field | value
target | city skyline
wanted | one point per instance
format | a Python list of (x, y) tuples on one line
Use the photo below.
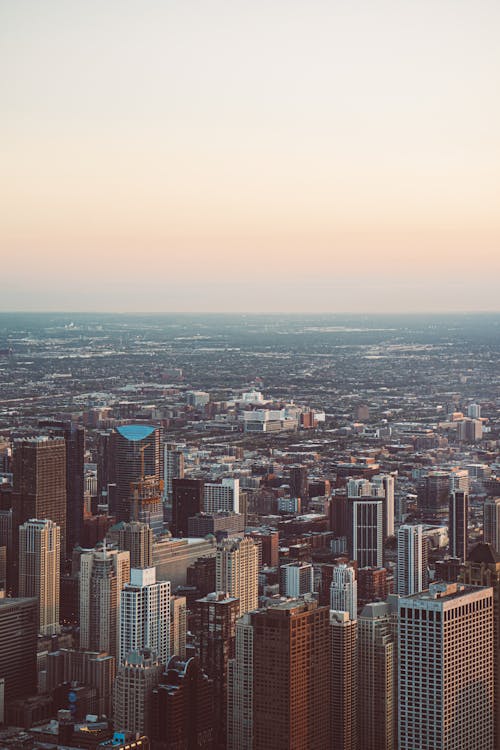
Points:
[(218, 157)]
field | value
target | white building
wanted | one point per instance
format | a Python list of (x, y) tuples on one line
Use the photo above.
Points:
[(385, 483), (412, 560), (367, 531), (344, 590), (446, 696), (223, 496), (296, 579), (145, 615), (240, 689), (39, 569)]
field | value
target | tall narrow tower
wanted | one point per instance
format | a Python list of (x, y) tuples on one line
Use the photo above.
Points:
[(145, 615), (491, 522), (39, 569), (412, 574), (237, 571), (458, 524), (344, 680), (344, 590)]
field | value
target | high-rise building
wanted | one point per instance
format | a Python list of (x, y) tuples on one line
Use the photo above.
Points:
[(90, 668), (366, 531), (223, 496), (344, 590), (136, 454), (279, 691), (377, 686), (145, 615), (344, 681), (458, 523), (103, 574), (298, 483), (446, 687), (482, 568), (386, 483), (178, 626), (40, 569), (491, 522), (412, 575), (296, 579), (39, 487), (74, 439), (136, 538), (433, 492), (474, 411), (372, 585), (182, 708), (237, 571), (187, 501), (459, 480), (173, 467), (218, 615), (268, 541), (136, 678), (18, 646)]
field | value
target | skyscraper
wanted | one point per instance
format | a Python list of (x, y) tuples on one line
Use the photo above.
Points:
[(173, 467), (39, 570), (136, 538), (237, 571), (74, 439), (298, 483), (491, 522), (222, 496), (386, 483), (377, 686), (240, 688), (433, 493), (136, 678), (103, 574), (145, 615), (286, 701), (446, 690), (458, 523), (39, 486), (218, 615), (18, 643), (344, 681), (412, 575), (187, 501), (344, 590), (136, 454), (366, 531), (296, 579), (178, 626)]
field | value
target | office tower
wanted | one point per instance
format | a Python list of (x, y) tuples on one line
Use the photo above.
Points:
[(145, 615), (447, 569), (218, 615), (39, 487), (279, 688), (105, 463), (459, 480), (40, 570), (187, 501), (377, 687), (134, 537), (366, 541), (474, 411), (145, 503), (372, 585), (412, 576), (339, 515), (173, 467), (360, 488), (385, 482), (344, 590), (3, 571), (482, 568), (344, 681), (458, 524), (18, 646), (298, 483), (178, 626), (268, 543), (182, 713), (136, 678), (90, 668), (433, 493), (491, 522), (223, 496), (103, 574), (296, 579), (202, 575), (237, 571), (469, 430), (74, 440), (446, 692), (240, 688), (136, 454)]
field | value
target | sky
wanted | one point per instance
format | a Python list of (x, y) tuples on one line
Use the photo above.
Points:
[(273, 155)]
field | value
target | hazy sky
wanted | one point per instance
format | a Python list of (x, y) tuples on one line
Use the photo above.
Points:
[(292, 155)]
